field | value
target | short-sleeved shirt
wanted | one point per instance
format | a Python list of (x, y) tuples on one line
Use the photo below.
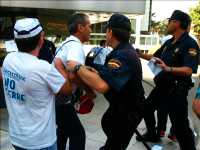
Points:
[(30, 86), (100, 54), (123, 73), (182, 53), (71, 49)]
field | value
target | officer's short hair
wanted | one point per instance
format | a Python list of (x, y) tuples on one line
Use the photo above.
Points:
[(121, 35), (121, 27), (27, 34), (185, 24), (184, 18), (75, 20)]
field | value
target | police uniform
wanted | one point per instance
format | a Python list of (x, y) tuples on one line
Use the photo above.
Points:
[(123, 73), (170, 93)]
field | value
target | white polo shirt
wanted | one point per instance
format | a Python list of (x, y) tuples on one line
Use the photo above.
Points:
[(30, 86), (71, 49)]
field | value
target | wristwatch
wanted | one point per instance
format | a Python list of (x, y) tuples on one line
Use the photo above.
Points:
[(169, 69), (77, 67)]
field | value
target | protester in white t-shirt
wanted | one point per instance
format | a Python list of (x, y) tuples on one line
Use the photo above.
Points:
[(30, 86)]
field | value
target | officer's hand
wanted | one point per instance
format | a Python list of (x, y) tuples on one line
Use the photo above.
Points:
[(91, 94), (162, 65), (157, 60), (71, 64), (71, 76), (74, 78)]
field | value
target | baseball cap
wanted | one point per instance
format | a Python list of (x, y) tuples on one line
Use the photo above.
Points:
[(119, 21), (27, 28), (180, 16)]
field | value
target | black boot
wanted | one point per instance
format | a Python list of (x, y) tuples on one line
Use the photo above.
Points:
[(103, 148), (148, 137)]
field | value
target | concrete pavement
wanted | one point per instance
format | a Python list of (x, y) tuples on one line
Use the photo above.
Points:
[(94, 133)]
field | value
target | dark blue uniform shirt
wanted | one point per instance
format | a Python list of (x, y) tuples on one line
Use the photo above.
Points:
[(182, 53), (123, 73)]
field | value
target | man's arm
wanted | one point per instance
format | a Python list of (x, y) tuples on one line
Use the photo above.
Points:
[(91, 78), (73, 78), (60, 67), (182, 71), (66, 89), (144, 56)]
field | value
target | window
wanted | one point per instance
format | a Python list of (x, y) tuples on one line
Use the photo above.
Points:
[(142, 40)]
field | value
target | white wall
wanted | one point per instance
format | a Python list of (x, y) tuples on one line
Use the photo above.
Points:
[(136, 7), (145, 17)]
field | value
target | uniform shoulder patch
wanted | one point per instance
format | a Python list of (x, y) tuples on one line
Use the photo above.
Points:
[(114, 64), (165, 48), (176, 50), (192, 51)]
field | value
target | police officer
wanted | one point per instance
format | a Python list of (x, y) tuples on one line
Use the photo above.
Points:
[(178, 58), (120, 79)]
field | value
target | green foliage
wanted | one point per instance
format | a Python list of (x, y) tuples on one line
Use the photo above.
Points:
[(195, 14), (159, 27)]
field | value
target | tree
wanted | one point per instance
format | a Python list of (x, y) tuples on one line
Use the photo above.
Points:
[(195, 14), (158, 26)]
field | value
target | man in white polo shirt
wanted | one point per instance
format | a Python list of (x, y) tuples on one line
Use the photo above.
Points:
[(30, 86), (69, 125)]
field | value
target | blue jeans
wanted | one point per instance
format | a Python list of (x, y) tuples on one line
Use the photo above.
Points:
[(52, 147)]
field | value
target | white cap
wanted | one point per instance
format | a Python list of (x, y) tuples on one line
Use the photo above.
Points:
[(26, 28)]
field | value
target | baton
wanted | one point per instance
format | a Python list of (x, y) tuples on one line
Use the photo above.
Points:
[(142, 140)]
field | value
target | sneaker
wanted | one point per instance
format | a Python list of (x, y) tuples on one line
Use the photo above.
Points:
[(148, 137), (172, 137), (161, 133)]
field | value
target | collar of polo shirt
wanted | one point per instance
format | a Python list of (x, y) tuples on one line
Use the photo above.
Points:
[(26, 28)]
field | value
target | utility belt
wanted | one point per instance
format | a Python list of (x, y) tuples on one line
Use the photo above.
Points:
[(175, 87), (166, 80)]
